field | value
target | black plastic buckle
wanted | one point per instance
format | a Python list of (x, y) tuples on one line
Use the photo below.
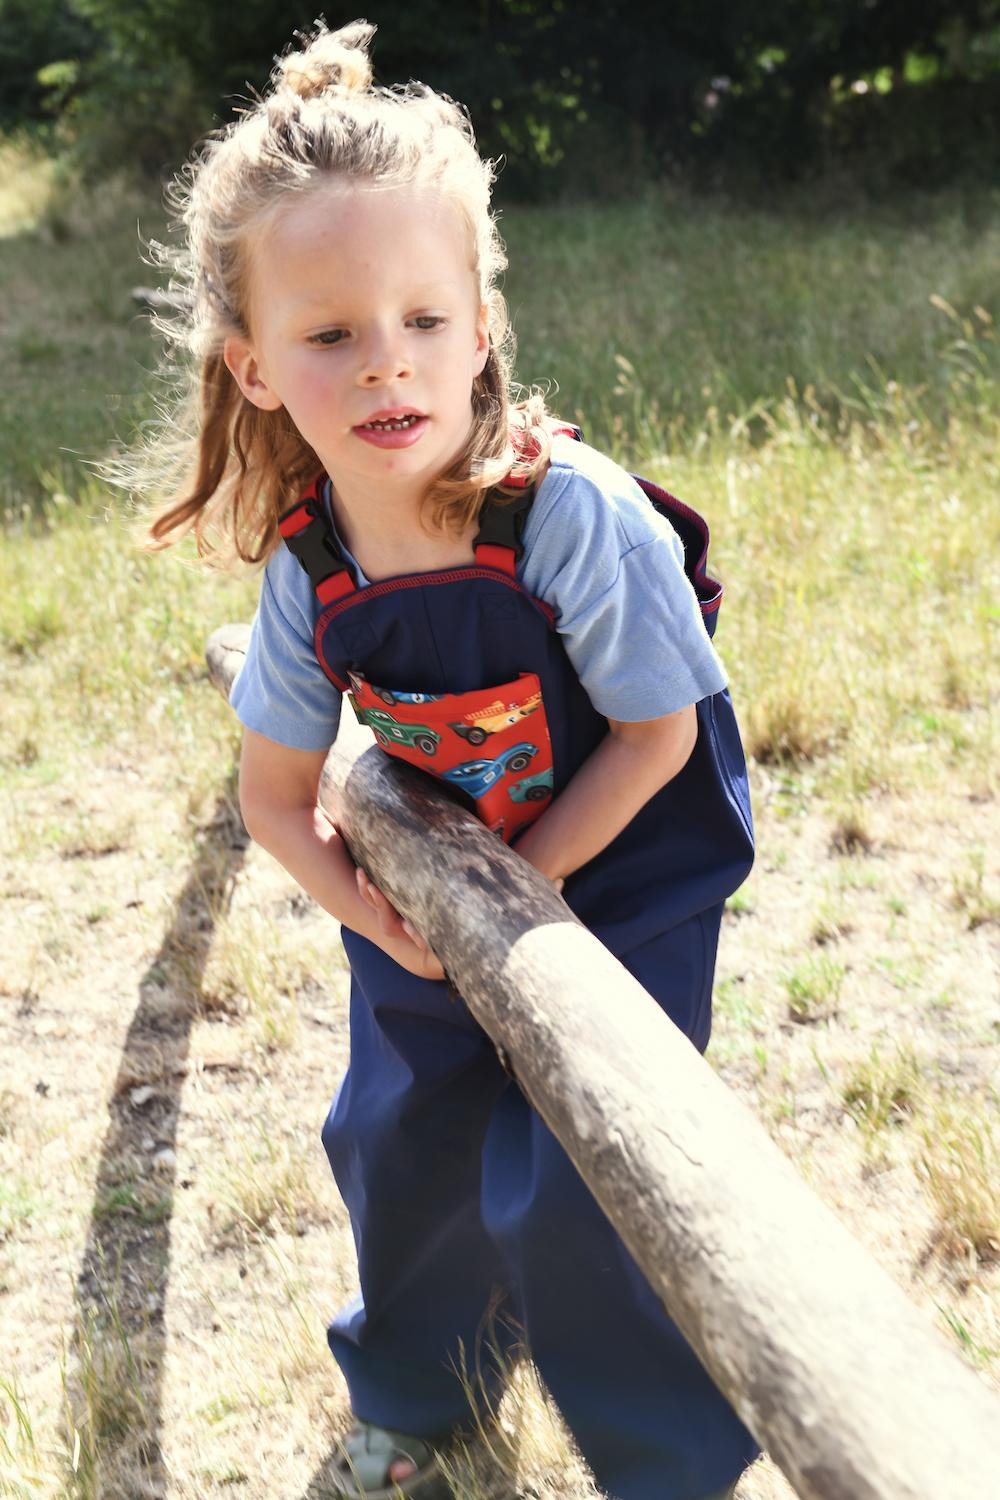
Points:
[(316, 547), (501, 524)]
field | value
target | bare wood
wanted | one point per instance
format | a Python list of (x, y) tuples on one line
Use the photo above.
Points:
[(225, 654), (853, 1393)]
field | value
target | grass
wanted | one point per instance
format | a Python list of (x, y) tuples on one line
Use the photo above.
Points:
[(881, 1091), (78, 351), (817, 379), (106, 1404), (263, 1185), (868, 653), (977, 1351), (20, 1461), (813, 989), (831, 922), (960, 1167), (258, 970), (973, 892), (864, 314)]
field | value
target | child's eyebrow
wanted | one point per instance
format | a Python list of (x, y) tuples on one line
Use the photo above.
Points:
[(415, 294)]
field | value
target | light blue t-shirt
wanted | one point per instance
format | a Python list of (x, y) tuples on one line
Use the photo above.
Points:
[(595, 550)]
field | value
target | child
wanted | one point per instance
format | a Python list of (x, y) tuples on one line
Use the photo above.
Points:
[(497, 598)]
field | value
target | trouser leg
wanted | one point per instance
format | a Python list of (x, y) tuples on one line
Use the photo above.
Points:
[(646, 1416), (404, 1137)]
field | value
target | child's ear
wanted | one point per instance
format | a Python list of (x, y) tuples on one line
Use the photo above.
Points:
[(241, 362), (482, 340)]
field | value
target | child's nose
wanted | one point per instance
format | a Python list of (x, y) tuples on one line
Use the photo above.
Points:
[(385, 360)]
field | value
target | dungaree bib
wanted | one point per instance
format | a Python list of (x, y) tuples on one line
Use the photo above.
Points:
[(455, 1187)]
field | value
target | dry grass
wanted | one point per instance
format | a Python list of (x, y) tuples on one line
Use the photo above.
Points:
[(259, 970), (973, 893), (960, 1165), (107, 1416), (263, 1184), (881, 1091)]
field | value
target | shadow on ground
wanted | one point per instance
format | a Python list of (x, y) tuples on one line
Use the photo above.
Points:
[(115, 1388)]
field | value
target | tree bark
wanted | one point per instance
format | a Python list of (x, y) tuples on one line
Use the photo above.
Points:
[(845, 1383)]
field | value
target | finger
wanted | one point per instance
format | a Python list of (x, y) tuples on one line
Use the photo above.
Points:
[(385, 912), (414, 936), (372, 894), (388, 918), (363, 884)]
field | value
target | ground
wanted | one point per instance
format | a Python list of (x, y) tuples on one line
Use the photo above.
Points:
[(174, 1022)]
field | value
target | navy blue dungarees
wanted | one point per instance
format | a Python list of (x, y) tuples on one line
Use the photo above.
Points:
[(455, 1187)]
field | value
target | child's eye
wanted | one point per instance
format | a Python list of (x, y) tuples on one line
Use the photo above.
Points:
[(328, 337), (427, 321)]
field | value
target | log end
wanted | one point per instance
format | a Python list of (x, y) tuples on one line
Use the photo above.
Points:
[(225, 654)]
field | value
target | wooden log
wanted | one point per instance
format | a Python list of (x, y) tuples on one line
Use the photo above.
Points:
[(845, 1383)]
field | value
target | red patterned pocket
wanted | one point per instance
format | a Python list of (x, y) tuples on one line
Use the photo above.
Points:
[(492, 745)]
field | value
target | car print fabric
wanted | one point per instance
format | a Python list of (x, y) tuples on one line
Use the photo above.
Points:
[(491, 745)]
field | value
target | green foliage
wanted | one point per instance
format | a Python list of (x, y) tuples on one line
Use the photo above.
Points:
[(164, 75), (35, 35), (576, 98)]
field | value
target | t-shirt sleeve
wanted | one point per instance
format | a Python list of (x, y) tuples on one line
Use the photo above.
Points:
[(612, 568), (282, 691)]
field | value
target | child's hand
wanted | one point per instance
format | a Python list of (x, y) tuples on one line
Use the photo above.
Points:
[(397, 937)]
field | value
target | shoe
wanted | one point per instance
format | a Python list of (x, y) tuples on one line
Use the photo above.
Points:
[(362, 1471)]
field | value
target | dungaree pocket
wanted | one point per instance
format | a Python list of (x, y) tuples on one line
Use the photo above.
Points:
[(480, 743)]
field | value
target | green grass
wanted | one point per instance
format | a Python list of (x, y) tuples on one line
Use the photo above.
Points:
[(77, 351), (702, 310), (107, 642), (813, 989), (818, 382)]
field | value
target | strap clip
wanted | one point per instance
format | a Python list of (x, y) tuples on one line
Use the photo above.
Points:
[(315, 546), (501, 525)]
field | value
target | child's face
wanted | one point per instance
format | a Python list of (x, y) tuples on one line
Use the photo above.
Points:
[(364, 308)]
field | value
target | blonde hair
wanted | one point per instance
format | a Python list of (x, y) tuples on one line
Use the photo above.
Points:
[(227, 468)]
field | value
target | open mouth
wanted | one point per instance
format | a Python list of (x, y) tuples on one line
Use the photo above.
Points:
[(396, 424)]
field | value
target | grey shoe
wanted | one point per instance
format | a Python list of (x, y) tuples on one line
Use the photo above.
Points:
[(368, 1453)]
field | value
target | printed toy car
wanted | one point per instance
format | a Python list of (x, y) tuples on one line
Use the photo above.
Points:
[(477, 776), (533, 788), (387, 731), (389, 697), (493, 718)]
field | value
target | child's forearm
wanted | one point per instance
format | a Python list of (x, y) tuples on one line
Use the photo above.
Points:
[(629, 765)]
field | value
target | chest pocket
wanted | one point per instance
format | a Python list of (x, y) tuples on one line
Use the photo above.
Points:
[(491, 746)]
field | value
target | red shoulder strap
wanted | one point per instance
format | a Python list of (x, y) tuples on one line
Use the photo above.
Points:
[(308, 535), (498, 541)]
